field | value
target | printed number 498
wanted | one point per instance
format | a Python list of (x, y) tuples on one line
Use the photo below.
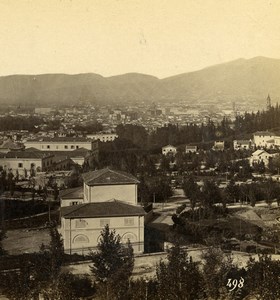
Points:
[(234, 283)]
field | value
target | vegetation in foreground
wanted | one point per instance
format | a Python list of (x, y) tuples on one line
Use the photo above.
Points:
[(176, 278)]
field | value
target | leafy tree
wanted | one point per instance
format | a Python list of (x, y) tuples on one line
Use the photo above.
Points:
[(112, 264), (216, 267), (143, 289), (232, 191), (180, 277), (192, 191), (39, 275), (263, 279), (2, 236), (210, 194)]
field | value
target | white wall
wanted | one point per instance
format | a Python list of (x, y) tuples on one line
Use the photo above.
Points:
[(81, 240), (69, 202), (101, 193), (261, 140), (20, 164), (58, 146)]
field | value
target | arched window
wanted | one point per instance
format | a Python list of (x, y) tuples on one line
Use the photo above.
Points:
[(80, 238), (129, 236)]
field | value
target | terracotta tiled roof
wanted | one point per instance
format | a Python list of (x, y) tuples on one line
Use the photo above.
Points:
[(107, 177), (112, 208)]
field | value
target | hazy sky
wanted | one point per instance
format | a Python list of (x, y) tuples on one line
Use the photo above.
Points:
[(157, 37)]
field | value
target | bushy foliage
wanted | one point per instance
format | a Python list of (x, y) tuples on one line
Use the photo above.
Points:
[(179, 278), (112, 264)]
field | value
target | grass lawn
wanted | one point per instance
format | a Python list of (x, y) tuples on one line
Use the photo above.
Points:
[(21, 241)]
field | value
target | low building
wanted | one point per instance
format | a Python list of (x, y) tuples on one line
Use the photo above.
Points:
[(242, 144), (169, 150), (219, 146), (78, 156), (264, 139), (260, 156), (191, 149), (23, 162), (62, 143), (103, 137), (277, 141)]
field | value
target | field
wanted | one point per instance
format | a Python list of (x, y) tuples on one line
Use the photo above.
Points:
[(21, 241)]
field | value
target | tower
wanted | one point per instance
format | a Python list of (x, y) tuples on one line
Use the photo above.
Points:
[(268, 102)]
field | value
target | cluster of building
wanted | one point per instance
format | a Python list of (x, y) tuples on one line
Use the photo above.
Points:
[(149, 116), (262, 142), (47, 154)]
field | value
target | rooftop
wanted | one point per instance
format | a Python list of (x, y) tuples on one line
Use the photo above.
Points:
[(59, 139), (265, 133), (73, 193), (112, 208), (24, 154), (9, 144), (80, 152), (107, 176)]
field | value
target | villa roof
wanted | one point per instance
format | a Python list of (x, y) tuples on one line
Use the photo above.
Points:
[(168, 146), (73, 193), (108, 177), (259, 152), (265, 133), (243, 141), (112, 208)]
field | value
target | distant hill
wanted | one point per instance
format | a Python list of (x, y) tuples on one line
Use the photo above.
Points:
[(239, 80)]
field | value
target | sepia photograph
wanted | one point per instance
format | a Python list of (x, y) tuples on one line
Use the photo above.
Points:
[(139, 150)]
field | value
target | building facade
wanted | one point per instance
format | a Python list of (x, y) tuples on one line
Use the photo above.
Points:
[(23, 162), (169, 150), (264, 139), (108, 197), (61, 144)]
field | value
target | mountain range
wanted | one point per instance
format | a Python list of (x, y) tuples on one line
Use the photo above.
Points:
[(238, 80)]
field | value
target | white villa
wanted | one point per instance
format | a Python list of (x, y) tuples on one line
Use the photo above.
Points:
[(169, 150), (107, 197), (260, 156), (264, 139)]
